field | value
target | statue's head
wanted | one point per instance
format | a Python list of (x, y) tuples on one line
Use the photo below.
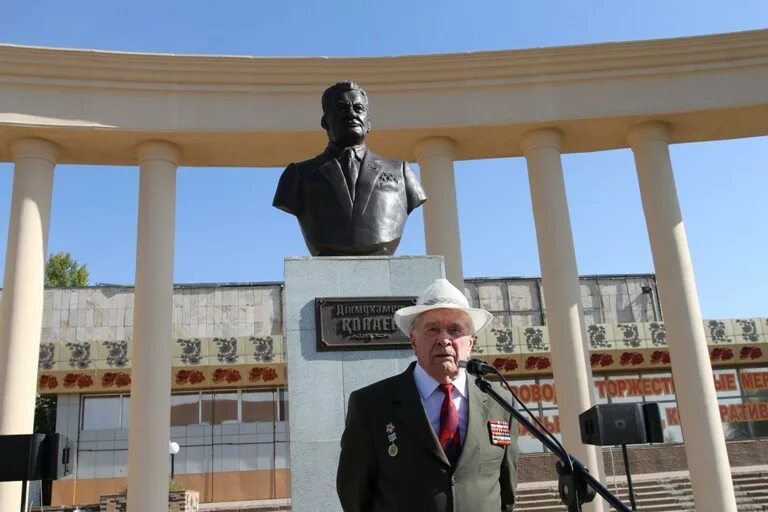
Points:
[(345, 114)]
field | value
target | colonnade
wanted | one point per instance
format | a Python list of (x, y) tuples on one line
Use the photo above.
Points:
[(153, 323), (21, 312), (22, 304), (560, 280), (691, 367)]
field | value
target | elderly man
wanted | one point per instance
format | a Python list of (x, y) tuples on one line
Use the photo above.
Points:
[(348, 200), (420, 441)]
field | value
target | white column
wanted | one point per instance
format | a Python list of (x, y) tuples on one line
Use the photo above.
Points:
[(560, 279), (435, 156), (691, 368), (21, 314), (148, 461)]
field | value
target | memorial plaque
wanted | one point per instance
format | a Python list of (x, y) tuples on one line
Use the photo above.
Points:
[(359, 323)]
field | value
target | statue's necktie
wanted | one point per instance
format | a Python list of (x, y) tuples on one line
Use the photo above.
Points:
[(351, 169), (449, 436)]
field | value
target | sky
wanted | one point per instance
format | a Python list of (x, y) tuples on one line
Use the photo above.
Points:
[(227, 231)]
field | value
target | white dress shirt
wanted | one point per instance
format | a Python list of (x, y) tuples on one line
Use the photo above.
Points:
[(432, 399)]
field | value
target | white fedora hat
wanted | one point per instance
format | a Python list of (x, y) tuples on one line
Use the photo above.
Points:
[(441, 294)]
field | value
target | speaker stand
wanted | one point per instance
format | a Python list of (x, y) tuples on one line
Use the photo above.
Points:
[(629, 477), (23, 496), (576, 485)]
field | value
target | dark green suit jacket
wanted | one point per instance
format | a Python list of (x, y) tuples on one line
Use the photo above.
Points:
[(419, 477)]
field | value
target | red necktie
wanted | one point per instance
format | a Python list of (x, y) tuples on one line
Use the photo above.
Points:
[(449, 436)]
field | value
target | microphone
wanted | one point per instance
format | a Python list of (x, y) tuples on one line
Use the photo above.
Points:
[(477, 367)]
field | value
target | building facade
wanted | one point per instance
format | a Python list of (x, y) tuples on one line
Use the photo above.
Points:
[(230, 404)]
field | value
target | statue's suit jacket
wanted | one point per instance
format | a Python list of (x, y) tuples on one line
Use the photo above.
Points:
[(420, 478), (316, 192)]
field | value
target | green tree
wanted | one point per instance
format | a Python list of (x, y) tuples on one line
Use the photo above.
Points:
[(45, 414), (62, 270)]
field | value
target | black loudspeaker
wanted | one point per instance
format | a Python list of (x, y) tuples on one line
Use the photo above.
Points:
[(616, 424), (34, 457), (654, 432)]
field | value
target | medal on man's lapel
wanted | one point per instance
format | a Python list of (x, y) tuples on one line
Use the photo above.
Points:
[(499, 432), (391, 437)]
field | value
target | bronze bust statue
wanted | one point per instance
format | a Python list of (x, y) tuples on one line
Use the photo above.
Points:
[(348, 200)]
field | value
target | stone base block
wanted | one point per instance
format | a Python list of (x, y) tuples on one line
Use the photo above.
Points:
[(319, 383)]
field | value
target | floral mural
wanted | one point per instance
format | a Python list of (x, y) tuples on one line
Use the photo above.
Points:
[(537, 363), (750, 353), (721, 354), (226, 375), (80, 355), (505, 341), (630, 335), (660, 357), (631, 359), (47, 356), (262, 374), (78, 380), (117, 353), (505, 364), (600, 359), (658, 334), (717, 331), (262, 348), (192, 377), (227, 350), (597, 336), (47, 382), (115, 379), (191, 351), (534, 339), (748, 330)]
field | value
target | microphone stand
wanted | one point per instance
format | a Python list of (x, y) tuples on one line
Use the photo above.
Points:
[(575, 485)]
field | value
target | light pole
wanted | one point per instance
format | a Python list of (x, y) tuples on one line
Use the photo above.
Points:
[(173, 449)]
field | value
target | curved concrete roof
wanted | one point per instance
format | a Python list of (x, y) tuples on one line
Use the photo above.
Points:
[(249, 111)]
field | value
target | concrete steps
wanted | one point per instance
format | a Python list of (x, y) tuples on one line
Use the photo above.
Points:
[(654, 493), (278, 505), (666, 493)]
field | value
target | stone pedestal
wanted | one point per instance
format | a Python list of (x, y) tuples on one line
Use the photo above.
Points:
[(319, 383)]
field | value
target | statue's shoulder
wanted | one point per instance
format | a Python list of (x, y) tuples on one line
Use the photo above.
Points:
[(288, 195), (306, 166)]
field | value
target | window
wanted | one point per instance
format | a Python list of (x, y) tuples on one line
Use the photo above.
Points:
[(185, 410), (125, 414), (623, 389), (754, 382), (112, 412), (734, 415), (670, 422), (258, 406), (219, 408), (282, 404), (105, 412), (726, 383), (533, 392), (601, 396)]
